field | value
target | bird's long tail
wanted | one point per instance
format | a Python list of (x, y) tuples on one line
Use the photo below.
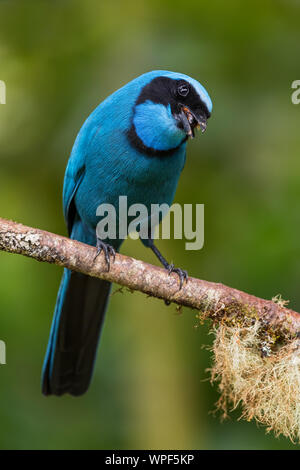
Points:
[(76, 327)]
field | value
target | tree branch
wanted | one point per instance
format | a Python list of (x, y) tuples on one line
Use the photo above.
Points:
[(214, 300)]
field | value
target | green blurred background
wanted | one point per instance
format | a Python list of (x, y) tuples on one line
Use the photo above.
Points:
[(59, 59)]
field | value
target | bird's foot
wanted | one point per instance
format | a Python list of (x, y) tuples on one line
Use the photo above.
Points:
[(182, 274), (108, 252)]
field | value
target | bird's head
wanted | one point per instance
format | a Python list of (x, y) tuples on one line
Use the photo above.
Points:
[(167, 111)]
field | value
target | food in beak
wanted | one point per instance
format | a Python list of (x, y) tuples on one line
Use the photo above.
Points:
[(188, 114), (187, 121), (191, 122)]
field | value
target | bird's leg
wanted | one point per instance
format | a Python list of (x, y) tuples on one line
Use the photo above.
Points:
[(182, 274), (108, 251)]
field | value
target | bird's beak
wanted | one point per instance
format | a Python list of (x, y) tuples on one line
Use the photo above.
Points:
[(191, 120)]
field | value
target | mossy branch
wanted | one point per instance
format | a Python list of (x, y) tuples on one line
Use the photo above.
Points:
[(214, 300), (257, 342)]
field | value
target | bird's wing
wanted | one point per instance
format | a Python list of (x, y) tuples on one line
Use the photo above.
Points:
[(71, 183), (76, 169), (76, 165)]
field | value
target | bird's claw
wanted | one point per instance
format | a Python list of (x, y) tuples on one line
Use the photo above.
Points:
[(108, 252), (182, 274)]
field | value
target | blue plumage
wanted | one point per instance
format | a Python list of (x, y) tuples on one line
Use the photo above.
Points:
[(133, 144), (155, 127)]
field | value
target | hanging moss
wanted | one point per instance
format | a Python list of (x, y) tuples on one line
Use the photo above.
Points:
[(257, 366)]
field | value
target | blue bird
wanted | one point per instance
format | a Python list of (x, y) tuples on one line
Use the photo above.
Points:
[(133, 144)]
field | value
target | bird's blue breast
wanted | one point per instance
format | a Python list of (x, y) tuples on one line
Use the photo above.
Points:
[(117, 169)]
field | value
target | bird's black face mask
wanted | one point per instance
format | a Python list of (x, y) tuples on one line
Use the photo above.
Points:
[(166, 114), (187, 106)]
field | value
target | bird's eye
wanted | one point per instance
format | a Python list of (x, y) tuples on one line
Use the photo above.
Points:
[(183, 90)]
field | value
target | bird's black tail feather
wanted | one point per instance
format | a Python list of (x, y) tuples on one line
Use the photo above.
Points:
[(76, 327)]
